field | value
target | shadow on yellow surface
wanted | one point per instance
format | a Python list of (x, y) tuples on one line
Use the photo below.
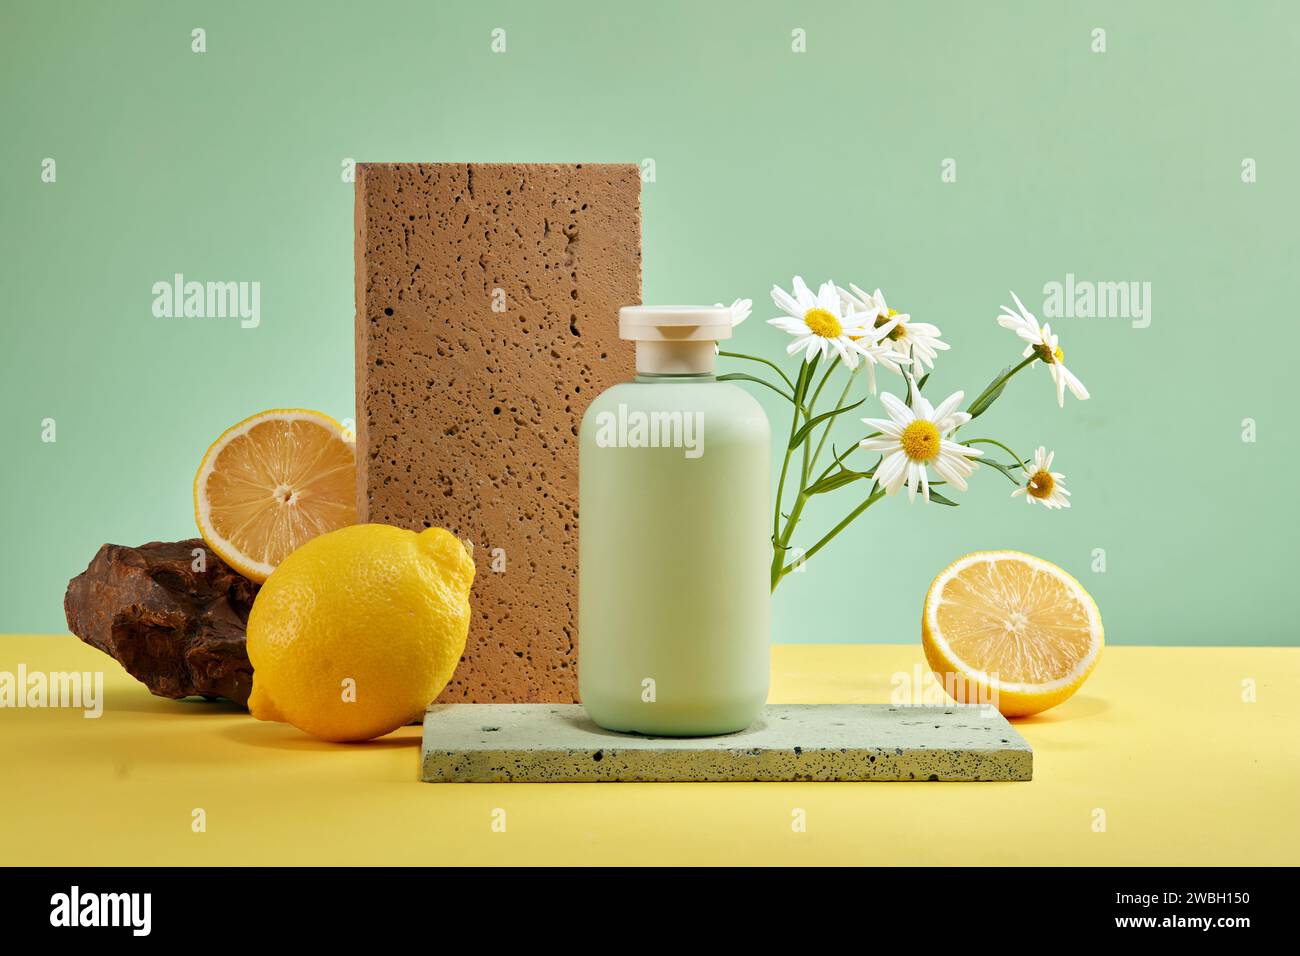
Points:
[(1079, 707), (1121, 777), (277, 736)]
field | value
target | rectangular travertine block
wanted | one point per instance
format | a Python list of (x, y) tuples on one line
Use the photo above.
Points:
[(532, 743), (487, 301)]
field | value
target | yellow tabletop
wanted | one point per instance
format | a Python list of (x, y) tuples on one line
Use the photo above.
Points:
[(1167, 756)]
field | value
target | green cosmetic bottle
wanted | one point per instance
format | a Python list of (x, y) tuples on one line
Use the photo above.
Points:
[(674, 512)]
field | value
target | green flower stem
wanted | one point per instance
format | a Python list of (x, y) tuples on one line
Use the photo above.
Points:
[(835, 362), (780, 572), (783, 541), (839, 404), (781, 535), (809, 411), (768, 362), (992, 441), (805, 370)]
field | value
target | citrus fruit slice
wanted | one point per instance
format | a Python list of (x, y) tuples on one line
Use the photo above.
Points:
[(274, 482), (1007, 628)]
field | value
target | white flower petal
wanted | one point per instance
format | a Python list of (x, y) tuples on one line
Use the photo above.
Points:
[(789, 325), (891, 472), (896, 409), (848, 356), (828, 298), (803, 295), (944, 466), (1076, 386), (798, 344), (1029, 316), (886, 426), (948, 406), (881, 443), (784, 301), (740, 311)]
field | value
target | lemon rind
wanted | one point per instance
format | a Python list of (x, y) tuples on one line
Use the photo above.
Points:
[(257, 571), (1076, 674)]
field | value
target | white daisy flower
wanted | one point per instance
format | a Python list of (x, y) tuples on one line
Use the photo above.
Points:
[(912, 439), (1046, 346), (877, 352), (740, 310), (874, 346), (819, 323), (918, 341), (1043, 484)]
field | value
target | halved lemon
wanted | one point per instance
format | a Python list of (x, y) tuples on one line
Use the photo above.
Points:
[(1007, 628), (274, 482)]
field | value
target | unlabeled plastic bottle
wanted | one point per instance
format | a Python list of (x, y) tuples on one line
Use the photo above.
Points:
[(674, 550)]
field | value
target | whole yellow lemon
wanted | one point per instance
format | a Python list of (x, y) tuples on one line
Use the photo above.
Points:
[(358, 630)]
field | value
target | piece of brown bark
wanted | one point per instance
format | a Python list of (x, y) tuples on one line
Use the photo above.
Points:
[(178, 630), (487, 300)]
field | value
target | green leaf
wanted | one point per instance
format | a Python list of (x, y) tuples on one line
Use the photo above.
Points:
[(799, 437), (838, 480), (921, 384), (990, 394), (940, 499), (997, 465), (743, 377)]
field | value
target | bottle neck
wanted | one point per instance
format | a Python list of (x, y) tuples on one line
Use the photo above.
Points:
[(655, 378), (676, 358)]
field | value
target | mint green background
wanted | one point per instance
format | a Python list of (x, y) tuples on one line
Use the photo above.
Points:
[(1115, 166)]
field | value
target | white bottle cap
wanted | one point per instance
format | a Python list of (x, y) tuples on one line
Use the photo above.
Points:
[(674, 339)]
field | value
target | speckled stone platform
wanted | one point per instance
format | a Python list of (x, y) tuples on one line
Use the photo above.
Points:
[(557, 743)]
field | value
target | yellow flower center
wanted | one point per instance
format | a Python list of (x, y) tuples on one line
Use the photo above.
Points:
[(1041, 485), (920, 440), (897, 332), (823, 323), (1048, 355)]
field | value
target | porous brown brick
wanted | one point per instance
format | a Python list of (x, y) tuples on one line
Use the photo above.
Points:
[(467, 418)]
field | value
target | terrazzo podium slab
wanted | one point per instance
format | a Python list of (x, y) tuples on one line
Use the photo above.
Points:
[(558, 743)]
